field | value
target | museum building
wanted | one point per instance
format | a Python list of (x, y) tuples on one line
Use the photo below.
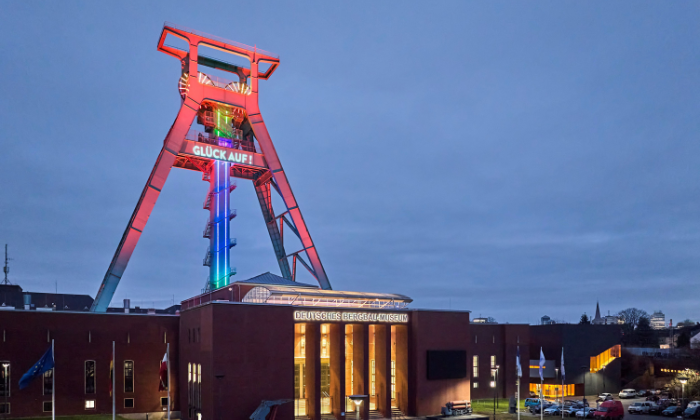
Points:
[(266, 338)]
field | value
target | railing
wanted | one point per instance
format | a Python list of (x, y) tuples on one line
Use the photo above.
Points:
[(220, 39), (235, 143), (300, 407), (221, 83)]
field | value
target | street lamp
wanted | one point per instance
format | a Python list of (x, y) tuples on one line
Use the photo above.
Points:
[(584, 385), (494, 371), (683, 380), (556, 389), (6, 386), (357, 399), (496, 379)]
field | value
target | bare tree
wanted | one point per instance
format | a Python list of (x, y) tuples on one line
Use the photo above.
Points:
[(631, 316)]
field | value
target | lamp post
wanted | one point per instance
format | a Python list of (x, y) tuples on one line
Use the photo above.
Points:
[(584, 385), (6, 384), (556, 389), (683, 380), (493, 385), (497, 367)]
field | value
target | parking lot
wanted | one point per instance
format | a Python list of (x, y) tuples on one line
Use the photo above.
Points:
[(625, 403)]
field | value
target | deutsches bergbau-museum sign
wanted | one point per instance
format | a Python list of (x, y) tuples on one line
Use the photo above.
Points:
[(338, 316)]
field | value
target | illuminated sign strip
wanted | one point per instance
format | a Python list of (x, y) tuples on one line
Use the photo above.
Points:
[(336, 316), (234, 156)]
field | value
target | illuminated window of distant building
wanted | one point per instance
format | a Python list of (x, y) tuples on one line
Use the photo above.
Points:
[(48, 382), (493, 362), (128, 376), (393, 379), (257, 294), (89, 404), (89, 378), (475, 384), (475, 366), (5, 381)]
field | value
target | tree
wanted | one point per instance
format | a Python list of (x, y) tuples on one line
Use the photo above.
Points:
[(584, 319), (646, 336), (683, 339), (631, 317)]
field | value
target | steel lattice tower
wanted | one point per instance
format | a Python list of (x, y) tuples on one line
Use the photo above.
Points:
[(235, 143)]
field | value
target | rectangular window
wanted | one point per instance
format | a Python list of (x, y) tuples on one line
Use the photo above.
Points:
[(89, 377), (128, 403), (89, 404), (4, 408), (475, 366), (163, 401), (475, 385), (493, 362), (48, 382), (199, 386), (128, 376), (46, 406), (393, 379), (5, 378)]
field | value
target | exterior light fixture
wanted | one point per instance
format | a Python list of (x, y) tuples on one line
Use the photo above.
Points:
[(357, 399)]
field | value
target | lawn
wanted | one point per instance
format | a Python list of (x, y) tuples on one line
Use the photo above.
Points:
[(486, 406), (88, 417)]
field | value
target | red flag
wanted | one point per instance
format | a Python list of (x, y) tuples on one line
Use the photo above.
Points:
[(111, 373), (163, 374)]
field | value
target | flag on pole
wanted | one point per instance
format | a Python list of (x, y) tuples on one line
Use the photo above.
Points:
[(44, 364), (563, 374), (111, 373), (163, 374), (517, 364), (541, 365)]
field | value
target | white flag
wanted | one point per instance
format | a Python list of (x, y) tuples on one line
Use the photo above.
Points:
[(517, 364), (541, 365), (563, 374)]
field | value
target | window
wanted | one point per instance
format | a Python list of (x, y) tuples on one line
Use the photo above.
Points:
[(89, 377), (475, 340), (493, 362), (5, 381), (475, 367), (393, 379), (47, 406), (189, 386), (89, 404), (163, 401), (128, 376), (4, 408), (128, 403), (494, 339), (48, 382), (199, 386), (475, 385)]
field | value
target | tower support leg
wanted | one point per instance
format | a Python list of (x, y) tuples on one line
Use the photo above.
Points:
[(219, 212), (265, 199)]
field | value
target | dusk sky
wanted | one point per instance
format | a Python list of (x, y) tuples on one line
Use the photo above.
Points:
[(515, 159)]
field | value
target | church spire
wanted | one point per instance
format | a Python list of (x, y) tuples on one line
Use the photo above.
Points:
[(597, 310)]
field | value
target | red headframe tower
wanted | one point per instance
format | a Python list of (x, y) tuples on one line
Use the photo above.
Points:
[(234, 143)]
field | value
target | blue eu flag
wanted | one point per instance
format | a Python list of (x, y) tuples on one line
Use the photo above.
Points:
[(43, 365)]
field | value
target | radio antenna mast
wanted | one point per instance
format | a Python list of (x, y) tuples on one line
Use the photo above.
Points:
[(6, 268)]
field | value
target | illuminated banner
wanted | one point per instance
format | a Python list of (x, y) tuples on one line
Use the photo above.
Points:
[(335, 316), (226, 154)]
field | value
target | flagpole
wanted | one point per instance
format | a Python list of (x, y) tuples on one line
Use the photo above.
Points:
[(53, 382), (114, 391), (167, 352), (519, 372)]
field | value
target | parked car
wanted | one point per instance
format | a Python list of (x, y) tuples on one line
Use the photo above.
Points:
[(627, 393), (529, 402), (610, 410), (694, 404), (646, 407), (535, 409), (642, 393), (552, 410), (585, 412), (672, 411), (692, 412), (605, 396)]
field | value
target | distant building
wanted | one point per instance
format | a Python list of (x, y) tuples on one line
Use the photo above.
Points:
[(12, 296), (483, 320), (598, 320), (613, 320), (658, 320), (695, 341), (545, 320)]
